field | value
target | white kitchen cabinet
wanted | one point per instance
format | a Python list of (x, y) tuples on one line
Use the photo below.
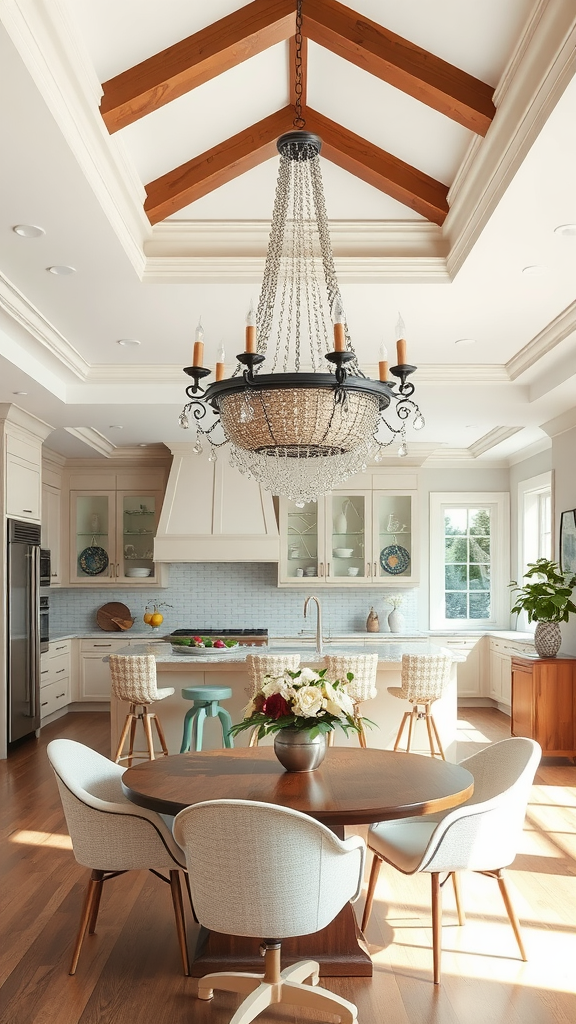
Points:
[(94, 672), (55, 678), (500, 677), (23, 478), (471, 673), (349, 539), (119, 526), (51, 528)]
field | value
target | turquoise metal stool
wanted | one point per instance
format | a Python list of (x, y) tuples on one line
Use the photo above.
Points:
[(205, 705)]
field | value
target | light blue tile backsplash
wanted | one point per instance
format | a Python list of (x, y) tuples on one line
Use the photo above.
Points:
[(243, 594)]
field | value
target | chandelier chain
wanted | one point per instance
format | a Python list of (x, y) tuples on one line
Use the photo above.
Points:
[(299, 121)]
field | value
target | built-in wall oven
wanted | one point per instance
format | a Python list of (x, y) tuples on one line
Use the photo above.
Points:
[(44, 567)]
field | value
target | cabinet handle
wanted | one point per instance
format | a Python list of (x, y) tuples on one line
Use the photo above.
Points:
[(44, 671), (53, 573), (374, 570), (44, 704), (328, 569), (61, 648), (367, 569), (321, 568), (29, 510), (102, 645), (112, 570), (60, 671), (117, 570), (58, 695)]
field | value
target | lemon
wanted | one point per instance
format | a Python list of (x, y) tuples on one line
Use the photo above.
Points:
[(147, 617), (156, 619)]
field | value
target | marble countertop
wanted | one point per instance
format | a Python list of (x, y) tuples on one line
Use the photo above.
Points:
[(387, 653)]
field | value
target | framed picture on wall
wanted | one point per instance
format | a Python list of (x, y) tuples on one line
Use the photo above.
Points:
[(568, 541)]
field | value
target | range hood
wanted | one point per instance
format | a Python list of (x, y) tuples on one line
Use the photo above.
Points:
[(212, 513)]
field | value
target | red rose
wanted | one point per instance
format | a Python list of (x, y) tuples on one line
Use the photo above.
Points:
[(275, 705)]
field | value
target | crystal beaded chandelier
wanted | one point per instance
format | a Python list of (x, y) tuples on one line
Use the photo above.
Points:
[(304, 426)]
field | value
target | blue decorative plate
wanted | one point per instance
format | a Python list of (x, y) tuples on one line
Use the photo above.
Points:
[(394, 559), (93, 560)]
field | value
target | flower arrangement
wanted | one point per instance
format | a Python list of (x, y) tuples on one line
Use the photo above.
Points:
[(396, 600), (300, 700)]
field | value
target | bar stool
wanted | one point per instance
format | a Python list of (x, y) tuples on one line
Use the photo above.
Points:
[(261, 665), (205, 705), (134, 680), (424, 679), (363, 686)]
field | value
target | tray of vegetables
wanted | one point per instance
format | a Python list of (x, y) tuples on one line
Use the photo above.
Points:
[(192, 646)]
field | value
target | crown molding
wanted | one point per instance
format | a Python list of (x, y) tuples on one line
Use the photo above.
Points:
[(20, 309), (249, 269), (540, 69), (53, 51), (52, 459), (491, 439), (560, 424), (552, 335), (93, 438), (13, 414), (532, 449)]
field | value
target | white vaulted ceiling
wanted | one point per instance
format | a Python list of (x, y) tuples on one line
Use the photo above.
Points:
[(462, 280)]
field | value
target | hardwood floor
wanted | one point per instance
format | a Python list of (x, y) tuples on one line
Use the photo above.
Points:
[(129, 972)]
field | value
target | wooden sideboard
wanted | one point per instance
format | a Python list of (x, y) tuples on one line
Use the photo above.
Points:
[(544, 703)]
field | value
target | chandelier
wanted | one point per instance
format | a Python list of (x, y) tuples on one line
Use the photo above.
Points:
[(309, 418)]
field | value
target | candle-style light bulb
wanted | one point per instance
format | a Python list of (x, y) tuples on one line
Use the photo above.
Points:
[(339, 318), (251, 329), (383, 363), (400, 341), (220, 368), (198, 355)]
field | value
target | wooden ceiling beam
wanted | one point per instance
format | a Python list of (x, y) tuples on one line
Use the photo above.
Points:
[(195, 60), (385, 172), (400, 63), (201, 175)]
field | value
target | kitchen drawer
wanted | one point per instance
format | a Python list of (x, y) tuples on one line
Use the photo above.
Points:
[(105, 646), (512, 648), (54, 696), (45, 677), (58, 647)]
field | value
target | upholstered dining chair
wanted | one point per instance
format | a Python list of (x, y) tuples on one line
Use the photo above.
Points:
[(134, 681), (481, 835), (110, 835), (269, 872), (423, 680), (363, 687), (258, 666)]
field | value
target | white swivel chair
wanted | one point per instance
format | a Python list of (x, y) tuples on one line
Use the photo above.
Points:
[(134, 681), (424, 679), (258, 667), (110, 835), (363, 687), (268, 872), (481, 835)]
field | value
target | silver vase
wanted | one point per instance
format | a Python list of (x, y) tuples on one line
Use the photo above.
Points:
[(297, 752), (547, 639)]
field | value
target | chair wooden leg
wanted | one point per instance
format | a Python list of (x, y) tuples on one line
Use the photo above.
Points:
[(436, 925), (95, 906), (176, 891), (133, 725), (160, 732), (374, 872), (95, 878), (148, 732), (413, 715), (360, 724), (511, 912), (127, 723), (458, 898), (430, 733), (437, 735), (401, 730)]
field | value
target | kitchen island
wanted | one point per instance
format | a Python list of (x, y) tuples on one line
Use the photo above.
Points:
[(229, 669)]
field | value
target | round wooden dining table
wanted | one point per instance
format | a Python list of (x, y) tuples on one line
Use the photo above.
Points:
[(353, 786)]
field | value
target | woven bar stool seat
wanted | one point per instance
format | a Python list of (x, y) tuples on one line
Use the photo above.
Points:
[(258, 667), (363, 686), (424, 679), (134, 681), (205, 705)]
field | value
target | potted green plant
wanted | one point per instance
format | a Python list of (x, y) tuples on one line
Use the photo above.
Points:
[(547, 600)]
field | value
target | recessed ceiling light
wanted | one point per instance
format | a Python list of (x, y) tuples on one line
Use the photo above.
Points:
[(142, 445), (61, 271), (128, 341), (565, 229), (28, 230), (465, 341), (19, 392), (534, 271), (115, 426)]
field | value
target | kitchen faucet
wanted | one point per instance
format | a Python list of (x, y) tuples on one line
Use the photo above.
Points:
[(318, 622)]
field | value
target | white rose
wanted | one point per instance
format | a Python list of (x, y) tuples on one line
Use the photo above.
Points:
[(308, 702), (308, 675), (338, 700), (278, 684)]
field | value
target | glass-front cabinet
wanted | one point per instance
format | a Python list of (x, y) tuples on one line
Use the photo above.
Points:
[(112, 537), (350, 539)]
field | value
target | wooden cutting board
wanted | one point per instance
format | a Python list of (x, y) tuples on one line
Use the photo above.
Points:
[(110, 611)]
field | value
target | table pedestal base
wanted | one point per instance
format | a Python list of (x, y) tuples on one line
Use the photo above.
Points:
[(339, 949)]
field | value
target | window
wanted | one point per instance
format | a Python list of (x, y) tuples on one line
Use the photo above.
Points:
[(469, 560), (534, 528)]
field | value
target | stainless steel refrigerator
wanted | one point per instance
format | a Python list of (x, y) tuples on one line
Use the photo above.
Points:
[(23, 648)]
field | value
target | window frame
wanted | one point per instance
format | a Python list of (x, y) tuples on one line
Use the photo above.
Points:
[(499, 504), (534, 486)]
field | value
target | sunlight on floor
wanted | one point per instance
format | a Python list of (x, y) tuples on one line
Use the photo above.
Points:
[(42, 839)]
